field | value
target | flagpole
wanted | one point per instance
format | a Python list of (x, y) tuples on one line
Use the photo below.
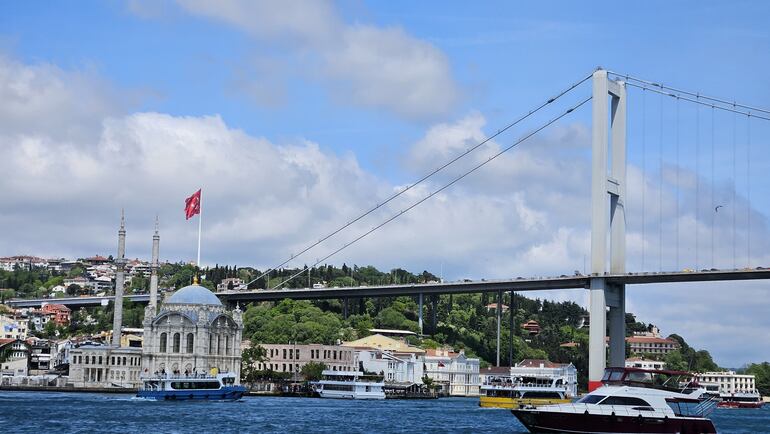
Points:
[(200, 224)]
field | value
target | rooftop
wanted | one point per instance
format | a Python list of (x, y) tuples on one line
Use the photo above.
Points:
[(194, 294)]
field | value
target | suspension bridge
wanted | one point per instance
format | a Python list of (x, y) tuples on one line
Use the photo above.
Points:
[(728, 257)]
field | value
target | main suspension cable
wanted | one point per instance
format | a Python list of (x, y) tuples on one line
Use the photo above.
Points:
[(444, 187)]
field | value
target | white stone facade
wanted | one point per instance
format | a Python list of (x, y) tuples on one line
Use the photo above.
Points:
[(395, 367), (105, 366), (729, 382), (291, 358), (457, 374), (192, 333)]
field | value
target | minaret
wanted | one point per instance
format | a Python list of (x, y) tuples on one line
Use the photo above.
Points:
[(154, 269), (120, 262)]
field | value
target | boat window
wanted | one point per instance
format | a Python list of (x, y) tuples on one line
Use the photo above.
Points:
[(606, 375), (616, 375), (591, 399), (542, 395), (625, 400)]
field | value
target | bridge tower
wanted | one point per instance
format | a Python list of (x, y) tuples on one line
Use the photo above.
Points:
[(608, 220)]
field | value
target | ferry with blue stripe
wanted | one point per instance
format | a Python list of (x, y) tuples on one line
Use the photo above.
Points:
[(165, 387)]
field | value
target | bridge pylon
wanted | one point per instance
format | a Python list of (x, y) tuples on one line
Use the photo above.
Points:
[(608, 220)]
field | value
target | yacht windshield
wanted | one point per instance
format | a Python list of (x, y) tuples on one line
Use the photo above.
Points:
[(591, 399)]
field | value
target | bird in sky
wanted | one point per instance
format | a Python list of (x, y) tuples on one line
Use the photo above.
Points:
[(716, 208)]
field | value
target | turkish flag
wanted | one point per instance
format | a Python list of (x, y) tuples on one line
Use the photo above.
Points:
[(192, 205)]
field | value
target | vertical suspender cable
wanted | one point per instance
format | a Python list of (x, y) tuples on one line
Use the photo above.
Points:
[(697, 182), (644, 172), (713, 214), (748, 190), (735, 186), (660, 191), (678, 188)]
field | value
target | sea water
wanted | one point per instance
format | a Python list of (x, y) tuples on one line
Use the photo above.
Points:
[(55, 413)]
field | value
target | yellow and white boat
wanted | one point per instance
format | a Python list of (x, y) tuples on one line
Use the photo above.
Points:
[(530, 383)]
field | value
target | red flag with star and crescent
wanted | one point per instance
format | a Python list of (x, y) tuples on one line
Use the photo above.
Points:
[(192, 205)]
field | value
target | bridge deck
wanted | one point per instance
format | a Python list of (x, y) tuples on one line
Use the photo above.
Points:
[(518, 284)]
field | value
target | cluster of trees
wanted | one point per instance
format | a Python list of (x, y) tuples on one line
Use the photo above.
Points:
[(762, 373)]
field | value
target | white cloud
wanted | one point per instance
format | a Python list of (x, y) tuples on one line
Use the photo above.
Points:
[(365, 65)]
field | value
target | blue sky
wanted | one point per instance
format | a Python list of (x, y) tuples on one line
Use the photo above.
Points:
[(294, 117)]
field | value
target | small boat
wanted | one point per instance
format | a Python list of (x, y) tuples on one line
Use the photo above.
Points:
[(167, 387), (630, 400), (349, 385), (741, 400)]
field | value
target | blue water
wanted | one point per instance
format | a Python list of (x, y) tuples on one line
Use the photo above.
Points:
[(56, 413)]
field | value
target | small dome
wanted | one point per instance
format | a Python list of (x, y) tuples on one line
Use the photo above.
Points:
[(194, 294)]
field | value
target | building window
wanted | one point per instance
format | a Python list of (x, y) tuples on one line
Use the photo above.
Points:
[(100, 360), (163, 339), (227, 345), (190, 342), (296, 355), (176, 342), (284, 353), (211, 344), (219, 344)]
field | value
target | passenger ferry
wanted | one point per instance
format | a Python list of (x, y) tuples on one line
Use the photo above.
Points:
[(522, 394), (741, 400), (630, 400), (349, 385), (167, 387), (530, 383)]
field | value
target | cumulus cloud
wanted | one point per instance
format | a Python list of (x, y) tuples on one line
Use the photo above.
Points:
[(365, 65)]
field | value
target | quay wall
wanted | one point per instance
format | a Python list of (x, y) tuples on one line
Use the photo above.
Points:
[(32, 388)]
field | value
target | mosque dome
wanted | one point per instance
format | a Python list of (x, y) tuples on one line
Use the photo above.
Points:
[(194, 294)]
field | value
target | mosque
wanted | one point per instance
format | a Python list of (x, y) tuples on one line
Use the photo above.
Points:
[(191, 333)]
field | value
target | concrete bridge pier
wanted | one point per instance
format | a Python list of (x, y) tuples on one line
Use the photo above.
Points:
[(608, 220), (499, 312), (434, 312), (419, 319), (345, 308)]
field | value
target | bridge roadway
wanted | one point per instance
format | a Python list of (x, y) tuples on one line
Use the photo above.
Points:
[(518, 284)]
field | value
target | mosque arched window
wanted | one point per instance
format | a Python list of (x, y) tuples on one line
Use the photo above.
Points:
[(190, 339), (227, 345), (176, 342), (211, 344), (163, 339), (219, 344)]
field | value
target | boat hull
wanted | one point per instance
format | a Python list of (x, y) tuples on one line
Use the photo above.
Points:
[(562, 422), (511, 403), (224, 394), (735, 404)]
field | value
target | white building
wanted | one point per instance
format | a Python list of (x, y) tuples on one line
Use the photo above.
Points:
[(16, 355), (640, 362), (729, 382), (12, 327), (105, 366), (398, 361), (457, 374), (293, 357)]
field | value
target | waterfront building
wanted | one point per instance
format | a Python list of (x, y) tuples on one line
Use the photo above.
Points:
[(41, 353), (99, 365), (14, 358), (641, 362), (455, 373), (651, 342), (293, 357), (397, 361), (536, 370), (192, 333), (13, 327), (729, 382)]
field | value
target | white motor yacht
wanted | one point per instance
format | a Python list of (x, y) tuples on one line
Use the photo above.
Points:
[(630, 400), (349, 385)]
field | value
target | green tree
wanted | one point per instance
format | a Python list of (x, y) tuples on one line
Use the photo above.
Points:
[(250, 358), (313, 371)]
